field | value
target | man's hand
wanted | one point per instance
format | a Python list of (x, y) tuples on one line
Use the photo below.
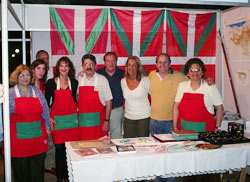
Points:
[(105, 126), (81, 73), (210, 81)]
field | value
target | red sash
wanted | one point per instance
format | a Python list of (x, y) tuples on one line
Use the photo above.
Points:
[(192, 109), (27, 129), (91, 114)]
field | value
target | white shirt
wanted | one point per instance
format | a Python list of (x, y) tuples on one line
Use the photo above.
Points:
[(137, 105), (212, 95), (100, 84)]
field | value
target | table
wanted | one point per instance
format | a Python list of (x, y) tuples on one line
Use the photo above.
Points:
[(146, 164)]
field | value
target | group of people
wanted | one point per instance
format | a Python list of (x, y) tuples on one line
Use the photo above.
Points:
[(92, 106)]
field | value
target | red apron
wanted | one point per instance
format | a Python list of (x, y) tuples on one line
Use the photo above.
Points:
[(64, 113), (91, 113), (27, 128), (193, 114)]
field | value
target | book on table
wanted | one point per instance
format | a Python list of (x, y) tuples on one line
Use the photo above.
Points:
[(185, 135), (125, 149)]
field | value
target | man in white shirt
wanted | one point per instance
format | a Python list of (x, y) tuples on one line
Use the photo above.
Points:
[(94, 102)]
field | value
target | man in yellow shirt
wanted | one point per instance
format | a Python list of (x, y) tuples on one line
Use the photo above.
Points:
[(163, 86)]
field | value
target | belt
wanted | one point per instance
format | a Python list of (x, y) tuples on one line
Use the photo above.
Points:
[(116, 107)]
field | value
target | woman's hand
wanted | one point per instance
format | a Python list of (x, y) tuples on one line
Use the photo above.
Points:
[(48, 133), (53, 123)]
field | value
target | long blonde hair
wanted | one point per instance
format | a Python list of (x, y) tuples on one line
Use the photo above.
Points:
[(19, 69), (139, 73)]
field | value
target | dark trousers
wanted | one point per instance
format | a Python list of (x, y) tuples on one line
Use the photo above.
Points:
[(28, 169), (136, 128), (61, 161)]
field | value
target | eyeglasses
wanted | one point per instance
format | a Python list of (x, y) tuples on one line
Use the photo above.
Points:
[(195, 70), (23, 75), (90, 64)]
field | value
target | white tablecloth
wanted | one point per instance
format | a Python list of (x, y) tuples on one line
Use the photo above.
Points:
[(148, 164)]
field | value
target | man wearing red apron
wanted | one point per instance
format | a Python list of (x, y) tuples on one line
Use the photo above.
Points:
[(64, 113), (94, 102)]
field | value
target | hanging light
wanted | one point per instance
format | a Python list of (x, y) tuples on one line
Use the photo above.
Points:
[(17, 51)]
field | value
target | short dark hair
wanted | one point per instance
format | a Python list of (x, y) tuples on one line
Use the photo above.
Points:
[(72, 70), (108, 54), (36, 63), (163, 54), (40, 51), (192, 61), (89, 56)]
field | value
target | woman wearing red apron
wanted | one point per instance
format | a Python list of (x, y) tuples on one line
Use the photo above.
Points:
[(29, 127), (62, 90), (94, 102), (195, 101)]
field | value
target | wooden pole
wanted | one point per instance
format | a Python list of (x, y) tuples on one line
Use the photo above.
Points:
[(229, 74)]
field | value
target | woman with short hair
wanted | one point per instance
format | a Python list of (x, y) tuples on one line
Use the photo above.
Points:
[(29, 127), (195, 101)]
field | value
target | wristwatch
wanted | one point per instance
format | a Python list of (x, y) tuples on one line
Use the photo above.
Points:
[(218, 127), (107, 120)]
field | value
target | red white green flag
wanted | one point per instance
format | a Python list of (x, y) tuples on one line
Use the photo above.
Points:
[(96, 31), (205, 35), (122, 32), (62, 31), (151, 32), (177, 33)]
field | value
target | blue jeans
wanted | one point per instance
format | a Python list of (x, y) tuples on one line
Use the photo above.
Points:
[(160, 127)]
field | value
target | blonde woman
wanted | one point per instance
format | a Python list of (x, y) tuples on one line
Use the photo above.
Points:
[(135, 88)]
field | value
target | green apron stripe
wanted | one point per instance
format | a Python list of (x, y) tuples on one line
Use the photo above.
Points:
[(177, 35), (121, 34), (96, 31), (89, 119), (155, 28), (205, 34), (28, 130), (66, 122), (195, 126), (64, 34)]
